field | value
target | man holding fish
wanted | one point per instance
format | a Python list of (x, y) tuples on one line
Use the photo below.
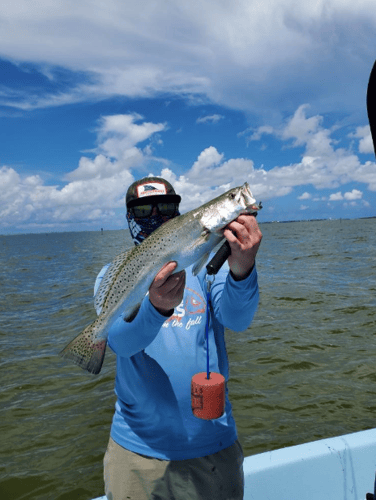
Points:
[(152, 312)]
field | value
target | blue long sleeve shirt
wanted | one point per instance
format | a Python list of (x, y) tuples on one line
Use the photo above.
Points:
[(157, 358)]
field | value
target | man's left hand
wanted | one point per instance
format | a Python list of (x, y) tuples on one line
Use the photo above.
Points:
[(244, 237)]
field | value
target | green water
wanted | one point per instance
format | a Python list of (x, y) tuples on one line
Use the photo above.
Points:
[(305, 369)]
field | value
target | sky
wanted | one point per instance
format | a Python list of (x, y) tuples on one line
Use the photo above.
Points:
[(208, 94)]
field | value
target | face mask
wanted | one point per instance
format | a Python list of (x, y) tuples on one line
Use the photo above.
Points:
[(142, 228)]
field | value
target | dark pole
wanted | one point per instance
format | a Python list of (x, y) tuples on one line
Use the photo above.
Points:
[(371, 104)]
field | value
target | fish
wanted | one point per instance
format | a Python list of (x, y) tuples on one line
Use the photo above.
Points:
[(187, 239)]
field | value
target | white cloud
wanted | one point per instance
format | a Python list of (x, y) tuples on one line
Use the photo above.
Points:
[(355, 194), (144, 49), (28, 200), (260, 131), (336, 196), (322, 165), (95, 189), (300, 128), (124, 126), (305, 196), (365, 143), (101, 167), (208, 158), (210, 118), (118, 136)]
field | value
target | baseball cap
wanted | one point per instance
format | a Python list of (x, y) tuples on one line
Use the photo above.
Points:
[(150, 188)]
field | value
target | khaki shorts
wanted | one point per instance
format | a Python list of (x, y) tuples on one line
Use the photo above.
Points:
[(129, 476)]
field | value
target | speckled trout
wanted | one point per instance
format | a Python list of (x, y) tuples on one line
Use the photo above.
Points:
[(187, 239)]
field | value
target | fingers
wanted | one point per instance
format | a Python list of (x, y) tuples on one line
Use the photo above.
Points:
[(179, 286), (164, 273), (235, 233), (244, 237), (244, 231), (166, 291), (167, 280), (175, 283)]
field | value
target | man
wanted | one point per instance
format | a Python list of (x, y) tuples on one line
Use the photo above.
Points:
[(158, 449)]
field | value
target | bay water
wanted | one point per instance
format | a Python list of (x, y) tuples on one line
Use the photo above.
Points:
[(304, 370)]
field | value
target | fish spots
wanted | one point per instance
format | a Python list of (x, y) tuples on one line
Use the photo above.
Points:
[(128, 278), (110, 277), (98, 346), (88, 349)]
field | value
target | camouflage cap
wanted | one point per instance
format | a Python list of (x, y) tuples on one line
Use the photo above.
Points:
[(150, 187)]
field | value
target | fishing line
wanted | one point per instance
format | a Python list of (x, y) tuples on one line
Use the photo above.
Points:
[(208, 389), (208, 302)]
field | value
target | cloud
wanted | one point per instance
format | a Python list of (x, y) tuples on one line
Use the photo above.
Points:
[(322, 164), (336, 196), (205, 164), (263, 57), (210, 118), (93, 193), (94, 189), (355, 194), (124, 127), (301, 131), (305, 196), (365, 143), (28, 200), (300, 128), (257, 134), (118, 136)]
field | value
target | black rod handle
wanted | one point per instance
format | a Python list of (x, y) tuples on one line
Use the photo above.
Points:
[(224, 251), (219, 259)]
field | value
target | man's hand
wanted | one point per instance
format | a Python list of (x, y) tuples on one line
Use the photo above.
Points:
[(166, 291), (244, 237)]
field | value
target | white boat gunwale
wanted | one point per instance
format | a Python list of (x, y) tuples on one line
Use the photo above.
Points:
[(338, 468)]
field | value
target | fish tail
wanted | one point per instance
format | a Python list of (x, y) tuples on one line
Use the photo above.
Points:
[(86, 350)]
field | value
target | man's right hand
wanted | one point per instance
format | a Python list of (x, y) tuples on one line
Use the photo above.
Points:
[(166, 291)]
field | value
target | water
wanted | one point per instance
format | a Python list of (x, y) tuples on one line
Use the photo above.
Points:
[(305, 370)]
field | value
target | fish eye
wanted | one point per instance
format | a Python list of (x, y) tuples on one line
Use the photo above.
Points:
[(231, 196)]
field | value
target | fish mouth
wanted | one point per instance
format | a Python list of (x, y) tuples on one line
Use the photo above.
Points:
[(254, 208), (249, 201)]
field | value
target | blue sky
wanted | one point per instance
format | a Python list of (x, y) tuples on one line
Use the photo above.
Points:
[(208, 94)]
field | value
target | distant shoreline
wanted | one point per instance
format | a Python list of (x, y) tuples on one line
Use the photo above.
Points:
[(103, 230)]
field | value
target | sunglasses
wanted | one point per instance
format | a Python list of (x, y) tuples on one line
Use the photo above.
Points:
[(167, 209)]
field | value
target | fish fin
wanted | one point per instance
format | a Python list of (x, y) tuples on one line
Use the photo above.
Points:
[(108, 280), (86, 351), (200, 264), (131, 316)]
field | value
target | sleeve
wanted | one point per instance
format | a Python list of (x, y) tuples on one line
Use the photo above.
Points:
[(127, 339), (234, 302)]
